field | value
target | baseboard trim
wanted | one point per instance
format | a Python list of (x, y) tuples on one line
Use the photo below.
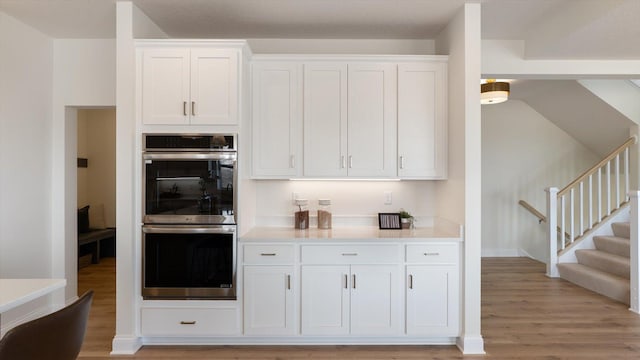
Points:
[(471, 345), (125, 345)]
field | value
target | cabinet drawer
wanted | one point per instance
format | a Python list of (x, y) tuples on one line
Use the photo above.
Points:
[(268, 254), (350, 254), (189, 321), (433, 253)]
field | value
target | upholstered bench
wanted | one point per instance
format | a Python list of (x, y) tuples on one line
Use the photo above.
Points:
[(92, 239)]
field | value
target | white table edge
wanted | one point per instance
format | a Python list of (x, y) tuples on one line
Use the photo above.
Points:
[(44, 287)]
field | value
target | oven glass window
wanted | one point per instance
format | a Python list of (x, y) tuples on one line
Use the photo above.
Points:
[(189, 187), (188, 261)]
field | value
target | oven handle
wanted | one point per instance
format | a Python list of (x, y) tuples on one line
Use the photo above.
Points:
[(158, 229), (226, 155)]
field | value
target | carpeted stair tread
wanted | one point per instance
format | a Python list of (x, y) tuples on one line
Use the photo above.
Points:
[(621, 229), (613, 245), (595, 280), (610, 263)]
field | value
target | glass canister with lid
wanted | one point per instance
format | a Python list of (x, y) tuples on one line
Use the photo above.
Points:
[(301, 214), (324, 214)]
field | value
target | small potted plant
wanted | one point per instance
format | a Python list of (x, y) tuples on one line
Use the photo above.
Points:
[(406, 219)]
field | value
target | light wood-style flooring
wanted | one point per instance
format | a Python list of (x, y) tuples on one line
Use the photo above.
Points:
[(525, 315)]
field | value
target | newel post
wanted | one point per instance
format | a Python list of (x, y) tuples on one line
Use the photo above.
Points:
[(552, 231), (634, 221)]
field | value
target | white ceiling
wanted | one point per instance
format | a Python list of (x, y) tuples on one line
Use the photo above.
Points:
[(596, 29)]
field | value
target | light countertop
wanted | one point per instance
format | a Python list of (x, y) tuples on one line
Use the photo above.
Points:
[(359, 233)]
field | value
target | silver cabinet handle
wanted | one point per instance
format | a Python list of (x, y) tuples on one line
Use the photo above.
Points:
[(350, 161), (288, 282), (349, 254), (354, 281), (431, 254), (193, 108), (401, 162), (267, 254), (292, 161), (410, 281), (342, 162), (346, 281), (193, 322), (184, 108)]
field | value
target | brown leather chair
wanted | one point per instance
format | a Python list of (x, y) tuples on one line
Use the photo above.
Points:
[(57, 336)]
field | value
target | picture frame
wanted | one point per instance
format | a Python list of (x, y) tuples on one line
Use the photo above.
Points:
[(389, 221)]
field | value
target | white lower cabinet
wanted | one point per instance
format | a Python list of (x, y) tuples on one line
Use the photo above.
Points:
[(433, 290), (344, 293), (269, 300), (350, 299)]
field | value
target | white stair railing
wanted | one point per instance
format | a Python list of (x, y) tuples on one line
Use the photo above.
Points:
[(586, 201)]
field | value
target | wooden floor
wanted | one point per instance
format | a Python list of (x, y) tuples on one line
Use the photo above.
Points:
[(525, 315)]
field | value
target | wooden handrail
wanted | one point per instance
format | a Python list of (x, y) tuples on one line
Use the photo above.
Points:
[(596, 167), (538, 214)]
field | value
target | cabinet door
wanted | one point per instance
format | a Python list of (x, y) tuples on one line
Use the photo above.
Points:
[(325, 120), (214, 87), (325, 300), (372, 120), (375, 300), (422, 120), (277, 122), (165, 86), (432, 300), (268, 300)]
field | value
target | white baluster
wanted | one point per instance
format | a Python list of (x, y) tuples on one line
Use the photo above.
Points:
[(581, 230), (572, 219), (626, 174), (563, 227), (599, 194), (591, 201), (617, 166), (608, 188)]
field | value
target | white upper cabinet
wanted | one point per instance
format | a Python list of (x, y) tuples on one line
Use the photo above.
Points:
[(325, 120), (277, 119), (349, 120), (422, 120), (190, 86), (349, 117), (371, 118)]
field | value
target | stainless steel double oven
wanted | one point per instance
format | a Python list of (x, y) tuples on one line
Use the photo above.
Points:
[(189, 214)]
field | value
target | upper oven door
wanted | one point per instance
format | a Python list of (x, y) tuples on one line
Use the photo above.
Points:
[(190, 188)]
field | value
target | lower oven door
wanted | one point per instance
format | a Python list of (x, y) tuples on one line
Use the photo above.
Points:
[(189, 262)]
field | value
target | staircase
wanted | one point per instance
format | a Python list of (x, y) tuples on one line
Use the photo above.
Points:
[(606, 268)]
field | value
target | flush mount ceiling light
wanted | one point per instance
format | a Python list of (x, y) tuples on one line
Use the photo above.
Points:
[(494, 92)]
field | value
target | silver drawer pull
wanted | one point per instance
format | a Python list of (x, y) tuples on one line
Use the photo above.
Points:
[(267, 254), (187, 322), (431, 254), (349, 254)]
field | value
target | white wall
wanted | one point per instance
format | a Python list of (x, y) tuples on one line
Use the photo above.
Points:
[(25, 169), (522, 154), (342, 46), (83, 76), (97, 182)]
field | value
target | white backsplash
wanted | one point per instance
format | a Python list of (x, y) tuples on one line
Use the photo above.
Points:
[(353, 203)]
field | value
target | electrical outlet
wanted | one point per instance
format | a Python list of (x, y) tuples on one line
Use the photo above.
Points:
[(294, 196), (388, 198)]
